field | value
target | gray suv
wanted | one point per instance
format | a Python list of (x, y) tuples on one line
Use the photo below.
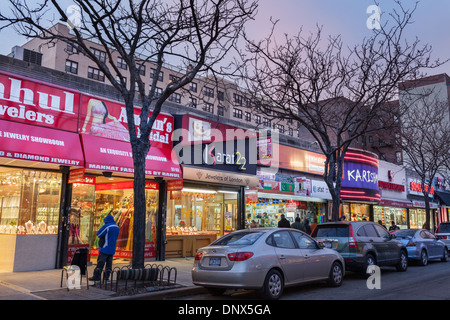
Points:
[(362, 243), (443, 233)]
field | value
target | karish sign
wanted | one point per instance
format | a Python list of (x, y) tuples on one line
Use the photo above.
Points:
[(359, 175)]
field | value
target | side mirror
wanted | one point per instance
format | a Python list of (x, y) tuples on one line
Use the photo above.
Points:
[(320, 245)]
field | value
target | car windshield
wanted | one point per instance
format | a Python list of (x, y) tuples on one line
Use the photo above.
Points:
[(444, 228), (332, 230), (405, 233), (239, 238)]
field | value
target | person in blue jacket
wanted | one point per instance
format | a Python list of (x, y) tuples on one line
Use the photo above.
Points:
[(107, 235)]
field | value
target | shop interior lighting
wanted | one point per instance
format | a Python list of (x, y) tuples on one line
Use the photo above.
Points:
[(198, 190), (227, 191)]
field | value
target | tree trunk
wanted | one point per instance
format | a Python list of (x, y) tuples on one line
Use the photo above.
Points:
[(139, 155)]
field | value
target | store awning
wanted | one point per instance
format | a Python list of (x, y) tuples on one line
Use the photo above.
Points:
[(111, 155), (23, 142), (445, 197)]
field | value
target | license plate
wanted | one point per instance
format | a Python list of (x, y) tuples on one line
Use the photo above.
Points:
[(214, 261)]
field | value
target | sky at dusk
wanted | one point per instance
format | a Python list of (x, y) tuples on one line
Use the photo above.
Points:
[(337, 17)]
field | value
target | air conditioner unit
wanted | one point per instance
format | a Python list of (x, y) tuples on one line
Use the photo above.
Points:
[(26, 55)]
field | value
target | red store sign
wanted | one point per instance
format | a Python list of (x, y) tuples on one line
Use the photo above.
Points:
[(37, 103)]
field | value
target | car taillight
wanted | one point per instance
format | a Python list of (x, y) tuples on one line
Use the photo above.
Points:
[(411, 244), (444, 237), (240, 256), (352, 243), (198, 256)]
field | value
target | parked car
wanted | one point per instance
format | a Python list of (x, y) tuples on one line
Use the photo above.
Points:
[(362, 243), (267, 259), (422, 245), (443, 233)]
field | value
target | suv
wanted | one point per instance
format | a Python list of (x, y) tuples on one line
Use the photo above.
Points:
[(362, 243), (443, 233)]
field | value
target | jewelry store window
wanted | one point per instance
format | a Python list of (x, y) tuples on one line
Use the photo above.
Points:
[(196, 217), (29, 201)]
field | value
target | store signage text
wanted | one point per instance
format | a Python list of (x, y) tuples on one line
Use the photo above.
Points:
[(417, 187), (213, 157), (391, 186), (33, 102), (358, 175)]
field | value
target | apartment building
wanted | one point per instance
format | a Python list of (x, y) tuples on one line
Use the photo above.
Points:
[(220, 98)]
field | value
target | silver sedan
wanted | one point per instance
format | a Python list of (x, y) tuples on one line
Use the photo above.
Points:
[(267, 259), (422, 245)]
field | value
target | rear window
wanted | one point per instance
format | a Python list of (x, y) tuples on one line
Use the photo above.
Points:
[(331, 231), (405, 233), (444, 228), (240, 238)]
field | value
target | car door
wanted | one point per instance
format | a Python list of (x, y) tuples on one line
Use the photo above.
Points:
[(317, 263), (387, 245), (373, 242), (435, 249), (289, 256)]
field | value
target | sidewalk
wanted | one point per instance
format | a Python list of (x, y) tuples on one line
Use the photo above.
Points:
[(45, 285)]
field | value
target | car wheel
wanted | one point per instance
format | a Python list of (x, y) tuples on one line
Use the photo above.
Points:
[(423, 261), (369, 261), (402, 265), (336, 275), (273, 285), (445, 257)]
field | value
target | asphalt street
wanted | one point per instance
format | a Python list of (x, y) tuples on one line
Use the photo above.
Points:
[(431, 282)]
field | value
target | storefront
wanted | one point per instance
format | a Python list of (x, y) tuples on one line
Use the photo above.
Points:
[(38, 142), (442, 187), (394, 204), (417, 215), (105, 187), (284, 194), (66, 162), (360, 189), (208, 202)]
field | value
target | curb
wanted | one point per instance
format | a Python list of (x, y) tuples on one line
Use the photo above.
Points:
[(164, 294)]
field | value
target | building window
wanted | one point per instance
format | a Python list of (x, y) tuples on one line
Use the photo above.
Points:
[(153, 74), (208, 92), (267, 122), (220, 111), (208, 107), (192, 102), (193, 86), (99, 54), (158, 92), (237, 113), (258, 119), (221, 95), (398, 156), (248, 102), (291, 131), (121, 63), (248, 116), (174, 79), (71, 66), (95, 74), (175, 97), (141, 69), (280, 128), (71, 49), (124, 79), (237, 99)]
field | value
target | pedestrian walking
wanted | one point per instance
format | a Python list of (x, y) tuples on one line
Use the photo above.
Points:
[(283, 223), (298, 224), (107, 235), (307, 226)]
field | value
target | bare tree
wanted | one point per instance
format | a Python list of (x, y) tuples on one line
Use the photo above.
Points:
[(197, 33), (425, 136), (335, 92)]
